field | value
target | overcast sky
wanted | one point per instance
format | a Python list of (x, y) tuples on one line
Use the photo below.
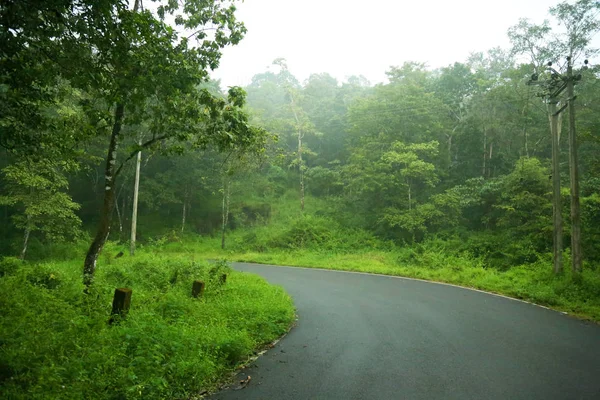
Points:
[(349, 37)]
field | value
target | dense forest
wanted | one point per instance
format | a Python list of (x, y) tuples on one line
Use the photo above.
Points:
[(461, 152), (113, 135)]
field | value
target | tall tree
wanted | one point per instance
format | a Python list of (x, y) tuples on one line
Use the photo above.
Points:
[(138, 66)]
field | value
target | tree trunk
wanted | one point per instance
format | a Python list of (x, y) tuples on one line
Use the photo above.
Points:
[(576, 253), (26, 237), (300, 161), (409, 195), (91, 258), (300, 167), (525, 123), (489, 169), (119, 217), (484, 150), (450, 149), (225, 210), (525, 135), (556, 209), (136, 189), (124, 207), (183, 215)]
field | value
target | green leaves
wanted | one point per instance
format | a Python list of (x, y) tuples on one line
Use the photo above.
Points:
[(36, 191)]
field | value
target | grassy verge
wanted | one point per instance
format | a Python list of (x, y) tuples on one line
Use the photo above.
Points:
[(533, 282), (55, 342)]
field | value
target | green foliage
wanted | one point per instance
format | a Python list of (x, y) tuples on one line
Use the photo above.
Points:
[(445, 260), (439, 174), (304, 232), (36, 190), (56, 342), (9, 265)]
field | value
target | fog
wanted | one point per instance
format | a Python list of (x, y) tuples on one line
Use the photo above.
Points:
[(347, 38)]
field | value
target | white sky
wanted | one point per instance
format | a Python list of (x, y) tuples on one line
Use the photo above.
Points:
[(349, 37)]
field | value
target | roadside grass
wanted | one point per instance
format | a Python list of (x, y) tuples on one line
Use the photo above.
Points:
[(579, 296), (55, 341)]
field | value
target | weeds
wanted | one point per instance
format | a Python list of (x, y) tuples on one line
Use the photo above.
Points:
[(318, 241), (55, 341)]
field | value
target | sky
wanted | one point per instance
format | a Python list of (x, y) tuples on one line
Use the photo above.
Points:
[(349, 37)]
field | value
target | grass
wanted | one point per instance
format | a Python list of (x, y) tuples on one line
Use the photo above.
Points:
[(55, 341), (579, 296), (316, 239)]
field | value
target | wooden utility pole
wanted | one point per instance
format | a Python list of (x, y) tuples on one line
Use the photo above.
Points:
[(576, 253), (136, 188), (552, 90), (556, 201)]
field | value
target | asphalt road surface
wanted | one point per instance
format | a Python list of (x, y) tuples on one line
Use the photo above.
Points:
[(374, 337)]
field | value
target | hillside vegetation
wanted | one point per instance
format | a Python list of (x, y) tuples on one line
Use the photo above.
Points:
[(114, 140)]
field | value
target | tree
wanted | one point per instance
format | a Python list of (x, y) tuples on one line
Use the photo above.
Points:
[(37, 191), (406, 164), (302, 124), (139, 68), (455, 86)]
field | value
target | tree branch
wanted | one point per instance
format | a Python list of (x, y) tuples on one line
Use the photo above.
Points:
[(212, 28), (141, 147)]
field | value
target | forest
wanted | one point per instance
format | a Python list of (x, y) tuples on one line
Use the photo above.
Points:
[(125, 165)]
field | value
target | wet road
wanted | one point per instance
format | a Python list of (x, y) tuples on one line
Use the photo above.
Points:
[(364, 336)]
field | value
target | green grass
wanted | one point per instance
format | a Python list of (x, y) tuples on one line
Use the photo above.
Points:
[(55, 341), (579, 296)]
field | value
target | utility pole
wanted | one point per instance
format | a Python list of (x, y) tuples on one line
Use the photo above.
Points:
[(557, 238), (576, 253), (552, 90)]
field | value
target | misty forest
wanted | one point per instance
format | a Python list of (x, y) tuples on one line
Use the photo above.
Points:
[(124, 165)]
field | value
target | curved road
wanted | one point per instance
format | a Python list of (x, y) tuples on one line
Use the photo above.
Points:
[(375, 337)]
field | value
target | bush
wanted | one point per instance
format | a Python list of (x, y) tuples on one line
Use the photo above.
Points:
[(9, 265), (305, 232), (55, 341)]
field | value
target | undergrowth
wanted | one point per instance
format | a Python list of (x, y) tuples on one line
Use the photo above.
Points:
[(55, 341), (317, 240)]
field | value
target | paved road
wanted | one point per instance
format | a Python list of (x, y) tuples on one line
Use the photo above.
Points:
[(375, 337)]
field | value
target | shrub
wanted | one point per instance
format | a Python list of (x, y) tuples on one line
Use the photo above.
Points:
[(55, 341), (9, 265)]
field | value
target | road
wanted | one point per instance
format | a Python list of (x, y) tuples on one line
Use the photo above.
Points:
[(365, 336)]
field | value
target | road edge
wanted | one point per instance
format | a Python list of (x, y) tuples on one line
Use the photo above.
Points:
[(571, 315)]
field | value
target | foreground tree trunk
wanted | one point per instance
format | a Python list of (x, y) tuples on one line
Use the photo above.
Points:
[(91, 258)]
